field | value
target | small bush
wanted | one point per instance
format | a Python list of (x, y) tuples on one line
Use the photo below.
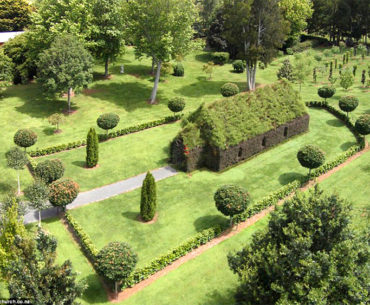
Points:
[(346, 79), (50, 170), (63, 192), (229, 89), (178, 70), (238, 66), (311, 156), (176, 104), (25, 138), (326, 92), (363, 124), (108, 121), (286, 71), (348, 103), (280, 53), (318, 57), (220, 58)]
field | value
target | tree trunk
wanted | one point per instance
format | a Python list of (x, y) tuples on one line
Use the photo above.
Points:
[(309, 172), (106, 73), (156, 81), (153, 66), (231, 222), (251, 77), (69, 100), (19, 184), (40, 218), (116, 289)]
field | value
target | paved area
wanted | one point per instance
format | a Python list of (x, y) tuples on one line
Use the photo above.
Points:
[(104, 192)]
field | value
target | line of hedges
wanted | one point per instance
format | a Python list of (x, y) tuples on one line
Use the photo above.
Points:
[(104, 137)]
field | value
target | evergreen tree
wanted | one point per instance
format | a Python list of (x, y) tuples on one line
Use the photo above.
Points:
[(92, 149), (363, 77), (148, 203)]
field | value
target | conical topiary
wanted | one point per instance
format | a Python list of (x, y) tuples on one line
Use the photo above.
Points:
[(148, 203), (92, 149)]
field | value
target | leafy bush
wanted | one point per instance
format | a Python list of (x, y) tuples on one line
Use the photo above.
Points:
[(25, 138), (311, 156), (300, 47), (238, 66), (148, 204), (335, 50), (286, 71), (108, 121), (178, 70), (363, 124), (346, 79), (56, 119), (326, 92), (348, 103), (16, 158), (63, 192), (220, 58), (229, 89), (318, 57), (92, 149), (167, 69), (50, 170), (289, 51), (176, 104)]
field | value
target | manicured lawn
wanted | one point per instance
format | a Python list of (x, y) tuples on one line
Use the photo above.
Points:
[(185, 202)]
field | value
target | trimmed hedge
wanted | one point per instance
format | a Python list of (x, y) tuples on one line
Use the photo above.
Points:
[(220, 58), (104, 137), (229, 89)]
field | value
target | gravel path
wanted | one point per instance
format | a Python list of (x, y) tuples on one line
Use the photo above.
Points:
[(103, 193)]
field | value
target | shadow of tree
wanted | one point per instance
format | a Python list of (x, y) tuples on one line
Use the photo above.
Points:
[(334, 123), (203, 57), (347, 145), (79, 163), (215, 297), (94, 292), (131, 215), (289, 177), (208, 221)]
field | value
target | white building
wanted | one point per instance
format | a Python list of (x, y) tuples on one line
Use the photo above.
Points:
[(5, 36)]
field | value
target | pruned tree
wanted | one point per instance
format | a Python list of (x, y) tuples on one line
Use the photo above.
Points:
[(38, 195), (50, 170), (363, 124), (56, 119), (25, 138), (63, 192), (92, 149), (17, 159), (148, 203), (348, 103), (311, 157)]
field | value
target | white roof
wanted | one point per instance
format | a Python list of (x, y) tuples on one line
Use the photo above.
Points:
[(5, 36)]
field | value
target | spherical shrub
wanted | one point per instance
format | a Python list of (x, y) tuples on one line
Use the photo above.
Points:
[(25, 138), (231, 200), (176, 104), (363, 124), (178, 70), (326, 92), (348, 103), (311, 156), (108, 121), (238, 66), (63, 192), (50, 170), (286, 71), (229, 89)]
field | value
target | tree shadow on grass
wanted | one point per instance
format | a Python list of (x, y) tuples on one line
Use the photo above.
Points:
[(7, 188), (347, 145), (81, 164), (334, 123), (206, 222), (94, 292), (215, 297), (49, 131), (287, 178), (204, 57), (131, 215)]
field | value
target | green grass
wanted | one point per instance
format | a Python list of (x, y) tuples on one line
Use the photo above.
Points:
[(185, 202)]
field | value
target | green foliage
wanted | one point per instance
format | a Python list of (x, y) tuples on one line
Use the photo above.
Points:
[(208, 68), (286, 71), (326, 92), (317, 238), (56, 119), (50, 170), (348, 103), (302, 68), (14, 15), (25, 138), (16, 158), (311, 156), (238, 66), (166, 69), (363, 77), (92, 149), (346, 79), (289, 51), (220, 58), (178, 70), (108, 121), (63, 192), (229, 89), (363, 124), (6, 71), (148, 204), (231, 200), (37, 194), (176, 104)]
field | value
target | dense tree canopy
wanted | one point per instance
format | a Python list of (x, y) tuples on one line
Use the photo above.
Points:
[(14, 15)]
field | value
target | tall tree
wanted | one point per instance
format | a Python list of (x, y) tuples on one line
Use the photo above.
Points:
[(308, 254), (161, 30), (256, 28), (14, 15), (108, 30), (64, 67)]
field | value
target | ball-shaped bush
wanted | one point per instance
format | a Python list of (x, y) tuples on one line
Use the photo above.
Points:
[(231, 200), (238, 66), (229, 89), (63, 192), (348, 103), (25, 138), (178, 70), (363, 124), (108, 121), (326, 92), (311, 156), (50, 170), (176, 104)]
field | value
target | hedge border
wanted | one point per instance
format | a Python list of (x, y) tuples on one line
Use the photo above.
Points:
[(104, 137)]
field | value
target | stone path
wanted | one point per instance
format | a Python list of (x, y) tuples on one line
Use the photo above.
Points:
[(103, 193)]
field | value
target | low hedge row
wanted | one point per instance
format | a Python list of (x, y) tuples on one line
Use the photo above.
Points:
[(160, 263), (104, 137), (31, 164), (85, 241)]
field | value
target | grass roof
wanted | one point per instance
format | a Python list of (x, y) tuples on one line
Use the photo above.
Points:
[(229, 121)]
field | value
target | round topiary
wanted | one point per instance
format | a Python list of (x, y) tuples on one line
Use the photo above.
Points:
[(63, 192), (231, 200), (238, 66), (176, 104), (326, 92), (108, 121), (50, 170), (363, 124), (25, 138), (229, 89), (178, 70), (311, 156), (348, 103)]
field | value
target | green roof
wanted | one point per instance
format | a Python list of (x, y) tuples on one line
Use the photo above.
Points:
[(229, 121)]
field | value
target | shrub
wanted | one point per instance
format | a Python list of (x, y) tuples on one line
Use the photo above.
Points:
[(286, 71), (289, 51), (208, 68), (50, 170), (363, 77), (335, 50), (25, 138), (176, 104), (262, 65), (178, 70), (318, 57), (220, 58), (363, 124), (63, 192), (326, 92), (280, 53), (56, 119), (148, 204), (167, 69), (348, 103), (229, 89), (346, 79), (238, 66), (92, 149), (311, 156), (108, 121), (17, 159)]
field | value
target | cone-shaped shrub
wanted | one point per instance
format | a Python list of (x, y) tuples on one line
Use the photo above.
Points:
[(148, 203), (92, 149)]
